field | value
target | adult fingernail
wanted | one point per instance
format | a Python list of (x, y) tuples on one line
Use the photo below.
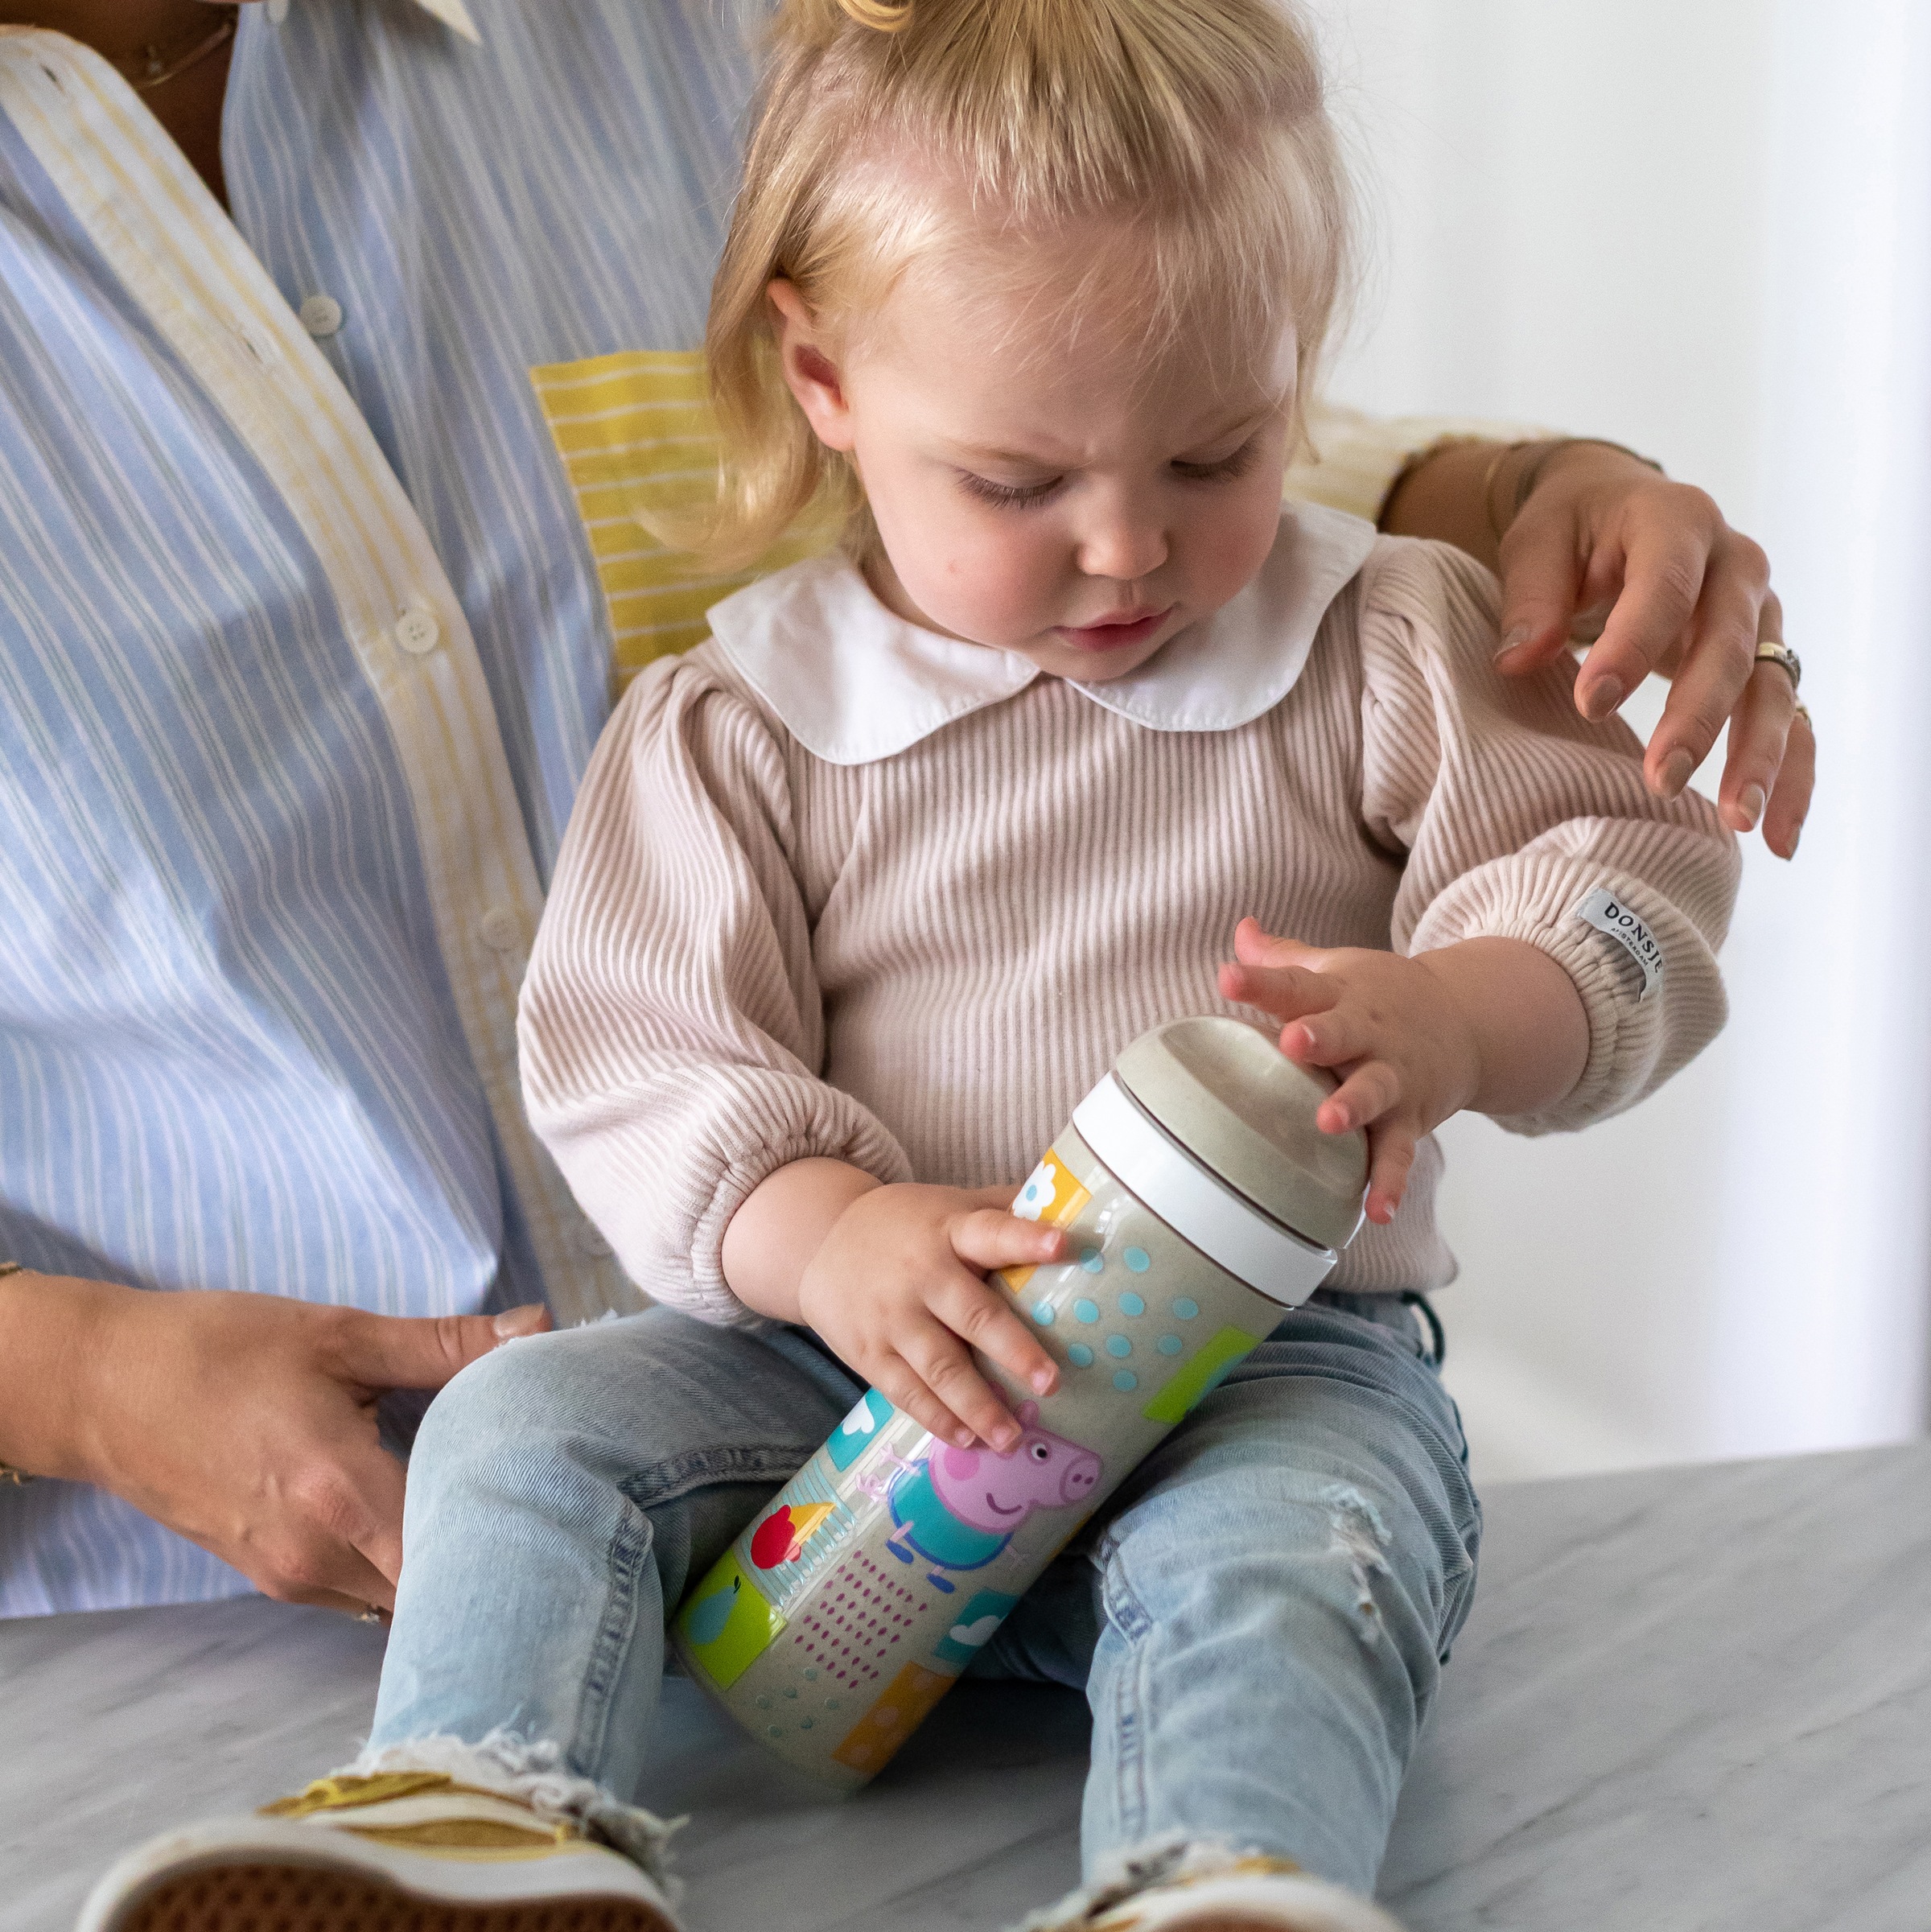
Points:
[(1512, 640), (1752, 803), (1005, 1440), (1794, 837), (514, 1322), (1042, 1381), (1601, 696), (1676, 771)]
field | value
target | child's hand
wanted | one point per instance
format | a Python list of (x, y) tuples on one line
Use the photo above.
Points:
[(1409, 1053), (896, 1289)]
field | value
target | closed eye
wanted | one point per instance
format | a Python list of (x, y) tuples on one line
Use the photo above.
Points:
[(1225, 470), (1008, 495)]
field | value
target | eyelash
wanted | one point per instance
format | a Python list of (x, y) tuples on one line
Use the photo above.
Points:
[(1025, 495)]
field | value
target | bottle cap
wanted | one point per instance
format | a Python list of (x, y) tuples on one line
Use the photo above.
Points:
[(1228, 1096)]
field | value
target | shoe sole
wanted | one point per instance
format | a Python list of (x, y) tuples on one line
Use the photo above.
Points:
[(288, 1897)]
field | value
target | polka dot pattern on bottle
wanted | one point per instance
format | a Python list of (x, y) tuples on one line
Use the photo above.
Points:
[(1092, 1260), (1137, 1260), (1086, 1311), (1118, 1344), (1080, 1355), (1042, 1313), (1126, 1381), (1185, 1308), (1170, 1344), (1132, 1304)]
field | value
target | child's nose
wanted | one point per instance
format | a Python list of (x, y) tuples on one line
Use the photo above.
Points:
[(1124, 548)]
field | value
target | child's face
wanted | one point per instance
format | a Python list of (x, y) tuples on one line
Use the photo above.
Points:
[(1062, 501)]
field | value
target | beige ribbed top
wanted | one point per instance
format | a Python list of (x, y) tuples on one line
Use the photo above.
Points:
[(919, 961)]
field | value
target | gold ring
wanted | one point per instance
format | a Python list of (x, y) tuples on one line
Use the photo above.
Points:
[(1803, 711), (1773, 650), (369, 1614)]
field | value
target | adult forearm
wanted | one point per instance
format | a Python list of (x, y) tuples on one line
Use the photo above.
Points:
[(781, 1225), (49, 1329), (1463, 494)]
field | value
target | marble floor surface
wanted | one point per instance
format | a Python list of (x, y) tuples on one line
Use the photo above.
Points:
[(1691, 1700)]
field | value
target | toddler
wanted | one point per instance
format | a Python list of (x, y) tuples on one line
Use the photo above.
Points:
[(861, 896)]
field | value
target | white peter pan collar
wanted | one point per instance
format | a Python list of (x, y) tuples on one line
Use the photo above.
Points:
[(853, 683)]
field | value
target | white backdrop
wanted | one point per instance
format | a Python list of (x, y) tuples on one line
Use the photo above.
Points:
[(1702, 228)]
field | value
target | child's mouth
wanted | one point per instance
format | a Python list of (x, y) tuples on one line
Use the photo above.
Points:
[(1115, 632)]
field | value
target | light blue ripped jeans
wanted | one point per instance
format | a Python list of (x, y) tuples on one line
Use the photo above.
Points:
[(1258, 1617)]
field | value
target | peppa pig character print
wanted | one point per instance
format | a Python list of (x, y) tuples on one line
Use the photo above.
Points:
[(958, 1508)]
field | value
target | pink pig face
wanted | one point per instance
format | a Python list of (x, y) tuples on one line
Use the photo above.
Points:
[(998, 1492)]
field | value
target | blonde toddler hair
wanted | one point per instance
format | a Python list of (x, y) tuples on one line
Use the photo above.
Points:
[(1201, 122)]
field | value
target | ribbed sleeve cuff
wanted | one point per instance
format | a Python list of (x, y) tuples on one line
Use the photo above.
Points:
[(1637, 1039)]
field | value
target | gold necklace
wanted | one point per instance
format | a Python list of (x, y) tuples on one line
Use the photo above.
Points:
[(155, 66)]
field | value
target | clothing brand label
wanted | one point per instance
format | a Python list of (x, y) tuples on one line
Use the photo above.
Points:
[(1608, 914)]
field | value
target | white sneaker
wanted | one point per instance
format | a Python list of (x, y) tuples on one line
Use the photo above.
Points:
[(1209, 1888), (398, 1851)]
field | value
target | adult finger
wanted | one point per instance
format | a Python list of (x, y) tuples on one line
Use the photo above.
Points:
[(1664, 560), (1709, 682), (1790, 798), (340, 1538), (1760, 728), (1541, 582), (423, 1352)]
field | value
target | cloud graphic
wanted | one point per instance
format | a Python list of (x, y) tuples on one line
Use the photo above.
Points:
[(974, 1634)]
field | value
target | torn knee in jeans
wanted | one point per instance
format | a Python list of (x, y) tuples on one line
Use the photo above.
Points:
[(531, 1773), (1356, 1532)]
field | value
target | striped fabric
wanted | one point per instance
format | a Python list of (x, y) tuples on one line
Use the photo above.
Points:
[(303, 651), (917, 961), (635, 433), (305, 642)]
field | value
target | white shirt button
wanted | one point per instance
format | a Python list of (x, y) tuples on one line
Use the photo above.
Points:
[(417, 631), (501, 929), (593, 1244), (321, 316)]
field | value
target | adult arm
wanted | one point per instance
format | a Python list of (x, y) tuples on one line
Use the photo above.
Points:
[(1687, 596), (244, 1423)]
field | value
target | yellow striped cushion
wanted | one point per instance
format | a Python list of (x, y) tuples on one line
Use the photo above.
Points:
[(635, 431)]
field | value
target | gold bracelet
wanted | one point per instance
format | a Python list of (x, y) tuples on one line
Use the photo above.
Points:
[(1488, 476), (8, 1473), (1532, 473)]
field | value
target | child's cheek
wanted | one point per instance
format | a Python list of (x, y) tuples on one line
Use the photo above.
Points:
[(989, 580)]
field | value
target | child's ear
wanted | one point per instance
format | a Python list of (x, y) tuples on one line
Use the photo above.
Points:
[(810, 373)]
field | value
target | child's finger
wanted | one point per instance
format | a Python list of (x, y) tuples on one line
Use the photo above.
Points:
[(1331, 1039), (1368, 1093), (940, 1359), (901, 1385), (1286, 991), (1390, 1155), (978, 1313), (1254, 945), (992, 1237)]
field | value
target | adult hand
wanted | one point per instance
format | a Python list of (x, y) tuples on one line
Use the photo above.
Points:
[(1687, 595), (245, 1423)]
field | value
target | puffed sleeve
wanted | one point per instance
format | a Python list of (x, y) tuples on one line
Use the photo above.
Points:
[(670, 1027), (1521, 820)]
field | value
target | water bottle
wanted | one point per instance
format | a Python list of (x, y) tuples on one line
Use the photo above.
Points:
[(1201, 1203)]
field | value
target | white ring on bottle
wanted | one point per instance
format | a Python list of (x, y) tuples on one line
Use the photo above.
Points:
[(1225, 1226)]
